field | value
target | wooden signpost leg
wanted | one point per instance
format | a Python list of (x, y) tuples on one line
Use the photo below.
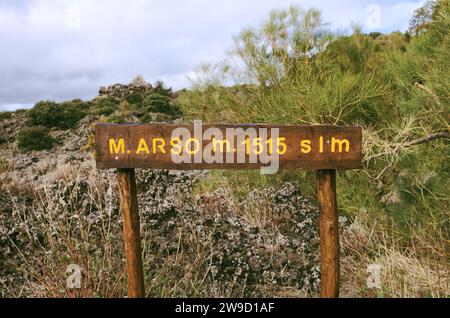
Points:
[(131, 231), (329, 233)]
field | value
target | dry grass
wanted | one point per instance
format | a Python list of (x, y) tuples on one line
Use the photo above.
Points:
[(405, 271), (57, 230)]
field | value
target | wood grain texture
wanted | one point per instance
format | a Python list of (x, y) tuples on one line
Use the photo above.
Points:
[(292, 159), (131, 232), (329, 233)]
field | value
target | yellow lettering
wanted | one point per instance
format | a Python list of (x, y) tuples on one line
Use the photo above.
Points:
[(188, 147), (282, 148), (116, 148), (335, 141), (321, 144), (175, 144), (259, 147), (142, 147), (161, 145), (222, 144), (305, 146)]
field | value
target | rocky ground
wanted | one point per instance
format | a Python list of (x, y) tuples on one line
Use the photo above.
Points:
[(241, 254)]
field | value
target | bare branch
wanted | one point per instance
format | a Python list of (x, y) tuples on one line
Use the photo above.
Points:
[(428, 138), (399, 146)]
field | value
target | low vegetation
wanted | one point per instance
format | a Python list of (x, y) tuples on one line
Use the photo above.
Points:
[(5, 115), (35, 138), (105, 106), (145, 103), (57, 115), (142, 102)]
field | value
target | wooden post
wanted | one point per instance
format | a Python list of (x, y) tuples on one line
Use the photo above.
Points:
[(329, 233), (131, 232)]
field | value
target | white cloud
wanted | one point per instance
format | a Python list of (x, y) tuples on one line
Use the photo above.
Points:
[(63, 49)]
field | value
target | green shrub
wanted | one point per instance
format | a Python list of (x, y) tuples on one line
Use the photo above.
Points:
[(5, 115), (43, 113), (147, 118), (116, 118), (155, 117), (125, 113), (160, 88), (105, 106), (135, 98), (35, 138), (128, 109), (53, 115), (158, 103)]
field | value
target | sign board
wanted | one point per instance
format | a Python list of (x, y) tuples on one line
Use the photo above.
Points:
[(197, 146)]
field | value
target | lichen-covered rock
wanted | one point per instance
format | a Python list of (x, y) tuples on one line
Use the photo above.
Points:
[(238, 251), (120, 91)]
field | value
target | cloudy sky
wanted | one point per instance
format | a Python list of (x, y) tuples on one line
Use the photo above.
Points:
[(65, 49)]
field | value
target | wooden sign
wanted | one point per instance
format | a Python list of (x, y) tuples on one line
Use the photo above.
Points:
[(197, 146), (163, 146)]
